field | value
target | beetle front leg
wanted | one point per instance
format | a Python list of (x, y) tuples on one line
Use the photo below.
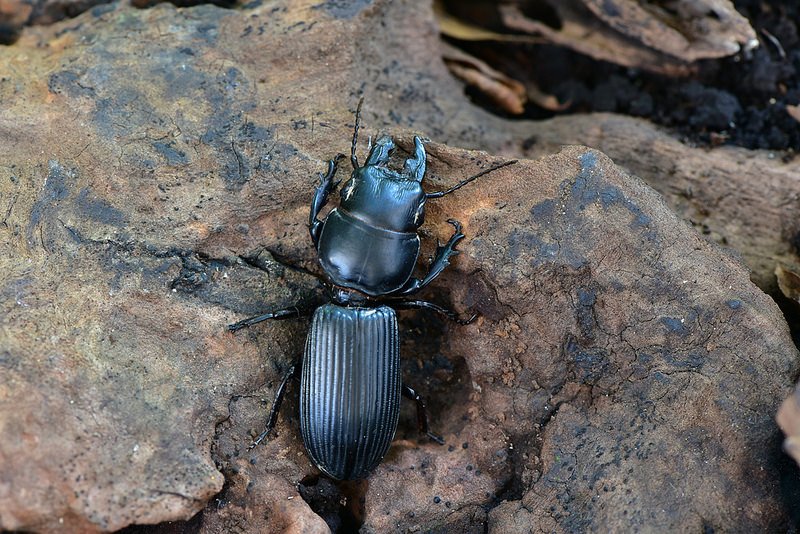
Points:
[(440, 261), (292, 372), (422, 414), (326, 187)]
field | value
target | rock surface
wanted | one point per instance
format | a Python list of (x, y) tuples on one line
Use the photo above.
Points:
[(153, 191), (745, 200)]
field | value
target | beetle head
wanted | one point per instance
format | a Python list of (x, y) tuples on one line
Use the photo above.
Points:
[(384, 197), (413, 169)]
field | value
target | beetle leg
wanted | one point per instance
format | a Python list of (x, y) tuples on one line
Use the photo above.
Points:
[(422, 414), (440, 261), (424, 304), (292, 372), (288, 313), (353, 157), (325, 187)]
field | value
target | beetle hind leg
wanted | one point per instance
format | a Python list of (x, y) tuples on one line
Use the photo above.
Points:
[(422, 414), (292, 372)]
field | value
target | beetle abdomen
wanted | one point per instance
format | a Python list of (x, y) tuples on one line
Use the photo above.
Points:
[(350, 391)]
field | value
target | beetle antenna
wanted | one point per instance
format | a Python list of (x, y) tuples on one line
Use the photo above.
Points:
[(462, 183), (353, 157)]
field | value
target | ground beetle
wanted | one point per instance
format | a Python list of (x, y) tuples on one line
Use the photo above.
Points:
[(368, 246)]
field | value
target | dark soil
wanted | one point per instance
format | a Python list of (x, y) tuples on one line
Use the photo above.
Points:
[(740, 100)]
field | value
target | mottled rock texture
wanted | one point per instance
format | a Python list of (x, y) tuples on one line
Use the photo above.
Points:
[(745, 200), (156, 168)]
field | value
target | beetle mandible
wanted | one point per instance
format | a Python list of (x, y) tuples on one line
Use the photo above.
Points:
[(350, 384)]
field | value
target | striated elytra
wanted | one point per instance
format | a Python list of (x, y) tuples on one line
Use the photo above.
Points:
[(350, 394), (350, 383)]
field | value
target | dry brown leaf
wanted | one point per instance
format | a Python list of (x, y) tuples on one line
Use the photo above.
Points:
[(685, 29), (543, 99), (590, 36), (788, 282), (661, 38), (456, 28), (788, 419), (14, 13), (506, 92)]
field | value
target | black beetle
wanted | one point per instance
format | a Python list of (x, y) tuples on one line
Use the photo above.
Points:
[(350, 383)]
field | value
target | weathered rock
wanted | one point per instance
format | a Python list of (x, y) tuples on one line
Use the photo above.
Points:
[(745, 200), (628, 365), (153, 193)]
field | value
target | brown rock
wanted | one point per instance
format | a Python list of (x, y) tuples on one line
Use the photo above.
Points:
[(622, 375), (628, 366), (746, 200)]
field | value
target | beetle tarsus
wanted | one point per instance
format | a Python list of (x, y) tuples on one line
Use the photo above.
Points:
[(327, 178), (443, 254), (457, 226), (468, 321), (435, 437), (422, 414), (259, 439)]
